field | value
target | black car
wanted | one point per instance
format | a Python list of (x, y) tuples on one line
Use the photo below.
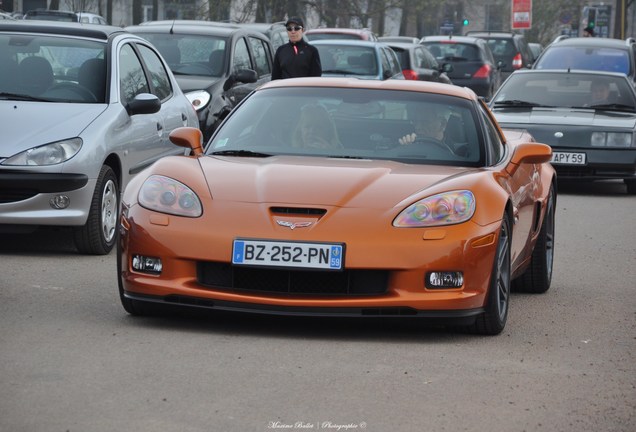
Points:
[(509, 49), (419, 64), (602, 54), (215, 66), (587, 117), (473, 63)]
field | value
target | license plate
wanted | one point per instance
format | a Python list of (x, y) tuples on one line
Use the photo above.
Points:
[(326, 256), (567, 158)]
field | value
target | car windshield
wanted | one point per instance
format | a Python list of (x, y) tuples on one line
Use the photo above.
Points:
[(347, 60), (585, 58), (452, 51), (191, 54), (570, 90), (52, 68), (352, 124)]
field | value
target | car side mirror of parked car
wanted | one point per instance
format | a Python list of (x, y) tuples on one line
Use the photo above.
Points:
[(244, 76), (144, 103)]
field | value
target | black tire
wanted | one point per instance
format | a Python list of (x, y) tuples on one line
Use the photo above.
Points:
[(493, 320), (631, 186), (133, 307), (99, 234), (538, 276)]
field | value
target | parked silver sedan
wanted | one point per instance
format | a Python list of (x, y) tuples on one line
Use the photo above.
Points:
[(82, 110)]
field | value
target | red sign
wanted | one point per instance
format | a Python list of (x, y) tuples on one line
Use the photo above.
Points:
[(521, 14)]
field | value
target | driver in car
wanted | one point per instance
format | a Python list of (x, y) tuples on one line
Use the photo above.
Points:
[(427, 125)]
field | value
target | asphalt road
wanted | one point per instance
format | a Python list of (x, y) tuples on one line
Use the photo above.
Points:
[(72, 360)]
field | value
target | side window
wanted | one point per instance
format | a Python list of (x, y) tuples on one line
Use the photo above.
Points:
[(386, 63), (241, 56), (158, 75), (430, 60), (493, 143), (393, 61), (259, 49), (131, 75), (421, 60)]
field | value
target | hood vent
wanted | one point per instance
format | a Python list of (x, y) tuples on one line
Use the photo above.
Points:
[(297, 211)]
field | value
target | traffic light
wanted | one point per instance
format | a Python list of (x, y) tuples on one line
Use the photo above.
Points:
[(591, 17), (465, 21)]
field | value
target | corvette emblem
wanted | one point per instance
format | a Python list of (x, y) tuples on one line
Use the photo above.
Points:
[(558, 134), (293, 225)]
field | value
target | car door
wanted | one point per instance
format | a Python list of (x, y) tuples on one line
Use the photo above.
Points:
[(243, 58), (143, 136), (173, 110)]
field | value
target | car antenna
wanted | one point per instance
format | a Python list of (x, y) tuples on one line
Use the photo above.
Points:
[(172, 26)]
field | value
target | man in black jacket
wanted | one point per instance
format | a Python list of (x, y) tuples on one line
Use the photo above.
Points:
[(296, 58)]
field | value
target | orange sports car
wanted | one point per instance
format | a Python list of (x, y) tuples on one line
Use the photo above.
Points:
[(345, 197)]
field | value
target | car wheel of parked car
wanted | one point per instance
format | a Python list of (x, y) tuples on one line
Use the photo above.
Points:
[(98, 235), (631, 186), (537, 277), (493, 320)]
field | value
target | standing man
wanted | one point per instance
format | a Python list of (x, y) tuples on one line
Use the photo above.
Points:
[(588, 31), (296, 58)]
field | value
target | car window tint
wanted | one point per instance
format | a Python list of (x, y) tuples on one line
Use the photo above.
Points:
[(261, 59), (604, 59), (241, 56), (367, 123), (131, 75), (493, 141), (158, 75)]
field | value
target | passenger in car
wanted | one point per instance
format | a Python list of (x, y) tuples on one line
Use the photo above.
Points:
[(600, 92), (315, 129)]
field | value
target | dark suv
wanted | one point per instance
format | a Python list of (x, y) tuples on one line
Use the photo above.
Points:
[(585, 53), (216, 66), (511, 49)]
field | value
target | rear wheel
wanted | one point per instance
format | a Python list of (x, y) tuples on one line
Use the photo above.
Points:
[(538, 276), (495, 315), (99, 233)]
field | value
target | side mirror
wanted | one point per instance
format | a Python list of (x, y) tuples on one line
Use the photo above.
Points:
[(244, 76), (529, 153), (144, 103)]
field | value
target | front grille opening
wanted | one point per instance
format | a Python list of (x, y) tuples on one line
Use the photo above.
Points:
[(224, 276)]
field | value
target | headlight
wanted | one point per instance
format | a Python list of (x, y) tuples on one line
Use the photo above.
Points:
[(612, 139), (166, 195), (48, 154), (199, 99), (443, 209)]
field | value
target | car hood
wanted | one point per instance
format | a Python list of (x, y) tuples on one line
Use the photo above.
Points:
[(45, 122), (324, 181), (567, 117)]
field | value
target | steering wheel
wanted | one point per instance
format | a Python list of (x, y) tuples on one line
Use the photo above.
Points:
[(427, 142), (84, 93)]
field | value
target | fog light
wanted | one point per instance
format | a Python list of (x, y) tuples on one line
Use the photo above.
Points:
[(445, 279), (60, 202), (147, 264)]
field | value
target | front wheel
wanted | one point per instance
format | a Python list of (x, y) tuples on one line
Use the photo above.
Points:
[(493, 320), (98, 235), (538, 276)]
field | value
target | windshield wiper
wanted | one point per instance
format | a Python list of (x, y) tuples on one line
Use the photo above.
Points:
[(242, 153), (520, 104), (17, 96), (613, 107)]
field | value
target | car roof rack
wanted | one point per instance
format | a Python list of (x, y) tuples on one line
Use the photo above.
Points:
[(560, 38)]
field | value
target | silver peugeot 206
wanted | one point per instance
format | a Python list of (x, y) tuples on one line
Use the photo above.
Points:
[(83, 108)]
